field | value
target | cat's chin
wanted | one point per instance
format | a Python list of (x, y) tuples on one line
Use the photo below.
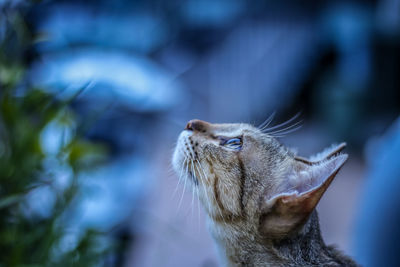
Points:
[(178, 157)]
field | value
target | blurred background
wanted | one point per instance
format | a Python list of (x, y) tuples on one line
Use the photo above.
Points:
[(93, 95)]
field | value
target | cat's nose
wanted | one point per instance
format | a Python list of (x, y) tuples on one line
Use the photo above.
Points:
[(197, 125)]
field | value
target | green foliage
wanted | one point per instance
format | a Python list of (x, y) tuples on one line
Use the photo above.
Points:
[(25, 236), (28, 236)]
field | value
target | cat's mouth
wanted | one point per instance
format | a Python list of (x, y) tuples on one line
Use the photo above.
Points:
[(185, 160)]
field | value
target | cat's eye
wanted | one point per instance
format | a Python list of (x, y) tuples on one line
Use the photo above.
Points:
[(233, 143)]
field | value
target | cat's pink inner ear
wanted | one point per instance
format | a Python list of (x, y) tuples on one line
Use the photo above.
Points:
[(288, 210)]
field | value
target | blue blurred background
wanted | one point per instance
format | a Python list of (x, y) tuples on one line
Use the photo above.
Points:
[(150, 66)]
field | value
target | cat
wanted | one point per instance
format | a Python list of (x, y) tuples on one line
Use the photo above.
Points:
[(259, 196)]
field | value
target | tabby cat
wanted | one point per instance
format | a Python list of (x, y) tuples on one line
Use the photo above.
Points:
[(259, 196)]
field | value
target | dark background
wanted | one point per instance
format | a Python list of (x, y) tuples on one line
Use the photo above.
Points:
[(150, 66)]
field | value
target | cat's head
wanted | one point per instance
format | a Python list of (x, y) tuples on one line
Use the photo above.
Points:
[(245, 175)]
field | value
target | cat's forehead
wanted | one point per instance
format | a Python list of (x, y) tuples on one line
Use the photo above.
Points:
[(233, 129)]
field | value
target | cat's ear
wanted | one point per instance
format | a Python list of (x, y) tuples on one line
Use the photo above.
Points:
[(306, 183)]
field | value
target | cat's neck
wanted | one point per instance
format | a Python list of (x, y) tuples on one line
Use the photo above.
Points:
[(308, 248), (303, 249)]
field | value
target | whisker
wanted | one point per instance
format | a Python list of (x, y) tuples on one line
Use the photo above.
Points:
[(180, 177), (208, 198), (184, 188), (197, 193), (198, 208), (204, 187), (193, 176), (185, 161), (202, 169), (298, 123), (283, 124), (282, 134), (267, 121)]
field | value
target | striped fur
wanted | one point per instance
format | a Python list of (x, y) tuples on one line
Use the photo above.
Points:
[(236, 188)]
